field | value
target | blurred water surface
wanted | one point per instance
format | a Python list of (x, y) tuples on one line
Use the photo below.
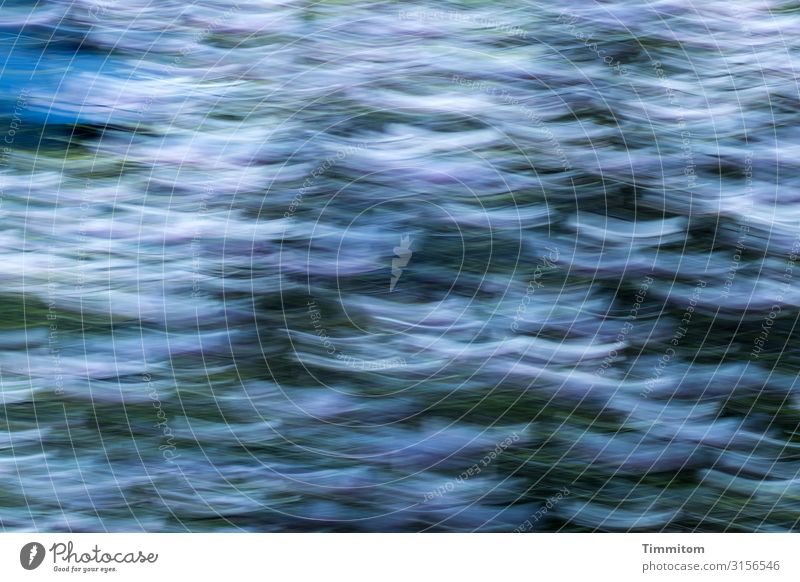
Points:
[(391, 266)]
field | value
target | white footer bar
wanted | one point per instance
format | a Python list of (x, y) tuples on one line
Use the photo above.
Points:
[(401, 557)]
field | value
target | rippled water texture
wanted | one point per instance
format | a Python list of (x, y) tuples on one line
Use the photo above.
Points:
[(391, 266)]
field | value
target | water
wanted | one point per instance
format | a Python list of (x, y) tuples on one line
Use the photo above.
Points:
[(377, 266)]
